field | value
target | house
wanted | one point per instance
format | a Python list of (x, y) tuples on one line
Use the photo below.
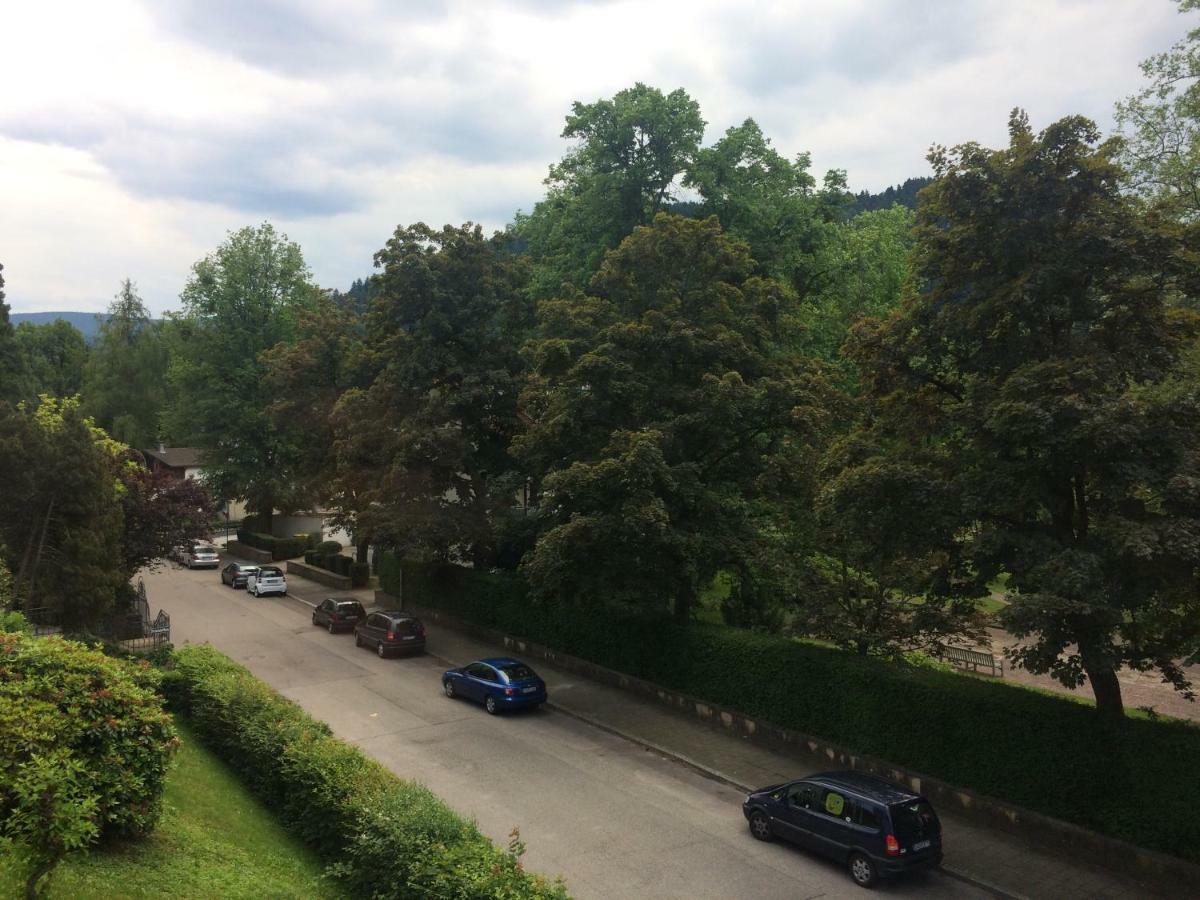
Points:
[(184, 462)]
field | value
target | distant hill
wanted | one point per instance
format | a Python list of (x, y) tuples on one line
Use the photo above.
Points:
[(904, 194), (88, 323)]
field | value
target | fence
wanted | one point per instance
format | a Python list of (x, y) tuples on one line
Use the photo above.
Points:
[(130, 627)]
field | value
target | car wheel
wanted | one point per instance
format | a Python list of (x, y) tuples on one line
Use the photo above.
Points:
[(760, 825), (314, 617), (331, 628), (490, 705), (448, 687), (379, 649), (862, 870), (357, 639)]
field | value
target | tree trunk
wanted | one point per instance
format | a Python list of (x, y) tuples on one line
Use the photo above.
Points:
[(39, 872), (685, 599), (360, 550), (266, 517), (1106, 687), (37, 559)]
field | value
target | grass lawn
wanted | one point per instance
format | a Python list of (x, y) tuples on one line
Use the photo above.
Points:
[(214, 840)]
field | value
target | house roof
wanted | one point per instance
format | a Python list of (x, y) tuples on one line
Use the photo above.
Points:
[(176, 457)]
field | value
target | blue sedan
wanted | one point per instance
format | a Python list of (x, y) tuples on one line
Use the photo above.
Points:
[(498, 683)]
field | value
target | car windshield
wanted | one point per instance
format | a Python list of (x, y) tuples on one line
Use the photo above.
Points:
[(914, 820), (270, 573), (517, 671)]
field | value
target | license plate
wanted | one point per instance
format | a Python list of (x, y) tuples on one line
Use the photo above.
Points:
[(921, 845), (409, 637), (528, 690)]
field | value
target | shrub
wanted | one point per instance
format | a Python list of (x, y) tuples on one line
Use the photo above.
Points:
[(360, 574), (279, 548), (329, 547), (84, 745), (1044, 752), (388, 837)]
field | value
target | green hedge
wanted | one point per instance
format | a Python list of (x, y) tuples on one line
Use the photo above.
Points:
[(384, 837), (358, 573), (279, 548), (1043, 752)]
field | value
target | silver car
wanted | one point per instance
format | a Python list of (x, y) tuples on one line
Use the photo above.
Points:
[(202, 556)]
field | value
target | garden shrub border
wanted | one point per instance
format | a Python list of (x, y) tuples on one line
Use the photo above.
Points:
[(1045, 753), (279, 548), (358, 573), (383, 836)]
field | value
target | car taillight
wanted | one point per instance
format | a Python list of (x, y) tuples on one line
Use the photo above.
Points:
[(893, 845), (391, 635), (420, 629), (508, 692)]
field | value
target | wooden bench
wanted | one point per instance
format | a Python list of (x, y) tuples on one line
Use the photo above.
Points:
[(975, 660)]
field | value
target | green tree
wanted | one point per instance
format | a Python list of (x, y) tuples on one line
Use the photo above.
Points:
[(768, 201), (241, 299), (1161, 126), (631, 150), (1038, 348), (669, 434), (449, 314), (125, 381), (14, 374), (55, 356), (307, 377), (863, 265), (59, 514)]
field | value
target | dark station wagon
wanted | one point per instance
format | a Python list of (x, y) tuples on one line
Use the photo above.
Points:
[(874, 827), (338, 614), (390, 631)]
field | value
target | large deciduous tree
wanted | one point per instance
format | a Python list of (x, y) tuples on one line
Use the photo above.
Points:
[(669, 433), (14, 374), (1161, 124), (433, 429), (160, 512), (240, 300), (1040, 350), (631, 150), (125, 380)]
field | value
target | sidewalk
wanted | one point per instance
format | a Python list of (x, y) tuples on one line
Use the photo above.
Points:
[(994, 860)]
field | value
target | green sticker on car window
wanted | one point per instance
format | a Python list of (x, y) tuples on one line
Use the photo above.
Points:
[(834, 803)]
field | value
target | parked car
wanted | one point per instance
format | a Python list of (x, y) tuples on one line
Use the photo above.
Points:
[(390, 631), (876, 828), (235, 574), (339, 613), (498, 683), (266, 580), (202, 556)]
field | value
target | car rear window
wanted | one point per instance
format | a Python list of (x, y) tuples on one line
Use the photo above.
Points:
[(914, 820), (268, 572), (350, 606), (405, 626), (198, 550), (517, 671), (247, 570)]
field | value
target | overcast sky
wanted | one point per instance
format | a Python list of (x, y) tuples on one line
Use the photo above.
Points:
[(133, 135)]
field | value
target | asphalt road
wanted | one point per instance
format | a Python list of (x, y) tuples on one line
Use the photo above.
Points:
[(613, 819)]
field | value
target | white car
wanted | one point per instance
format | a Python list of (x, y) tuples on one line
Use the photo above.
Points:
[(267, 580)]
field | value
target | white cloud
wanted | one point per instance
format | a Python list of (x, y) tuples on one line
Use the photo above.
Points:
[(135, 134)]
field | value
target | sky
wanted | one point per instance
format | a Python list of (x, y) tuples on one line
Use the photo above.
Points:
[(135, 135)]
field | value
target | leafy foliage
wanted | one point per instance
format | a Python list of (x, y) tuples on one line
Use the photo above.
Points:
[(1038, 350), (423, 450), (666, 428), (160, 512), (125, 382), (55, 356), (240, 300), (84, 747), (389, 838), (630, 151)]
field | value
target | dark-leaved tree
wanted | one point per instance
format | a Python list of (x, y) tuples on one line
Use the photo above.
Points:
[(1040, 349)]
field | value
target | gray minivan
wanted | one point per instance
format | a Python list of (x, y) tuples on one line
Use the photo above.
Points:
[(390, 631)]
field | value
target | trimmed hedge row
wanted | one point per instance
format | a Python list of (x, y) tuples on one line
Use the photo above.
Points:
[(279, 548), (383, 836), (1046, 753), (358, 573)]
